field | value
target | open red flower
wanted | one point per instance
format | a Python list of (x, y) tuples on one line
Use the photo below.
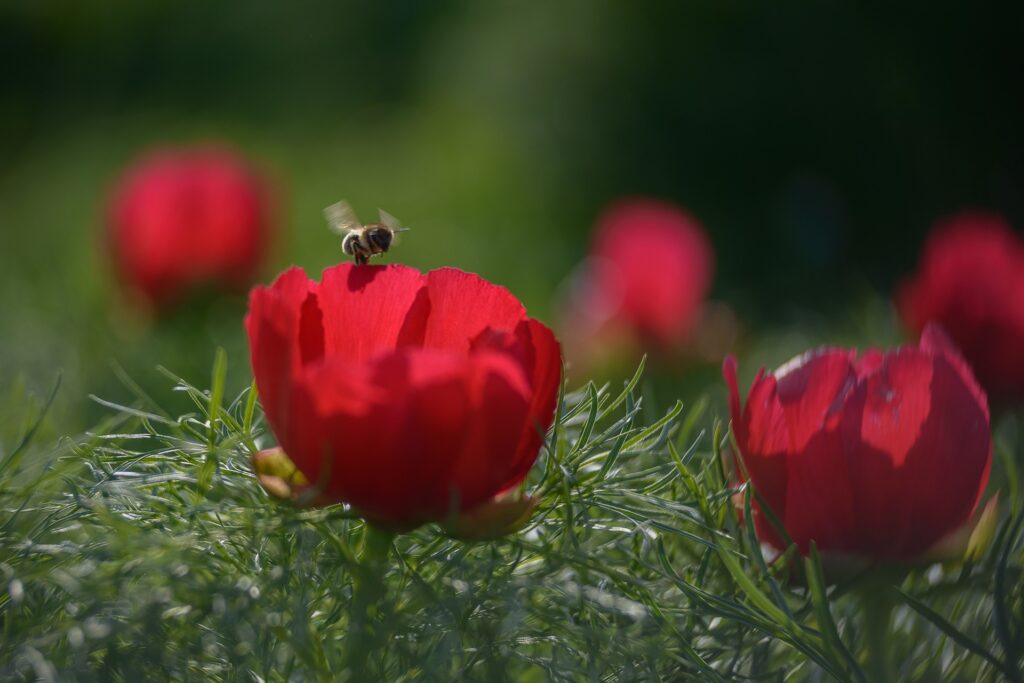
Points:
[(879, 456), (411, 397), (971, 281), (648, 274), (185, 218)]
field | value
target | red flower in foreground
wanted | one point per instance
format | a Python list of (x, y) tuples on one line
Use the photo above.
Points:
[(879, 456), (409, 396), (971, 281), (181, 219), (648, 274)]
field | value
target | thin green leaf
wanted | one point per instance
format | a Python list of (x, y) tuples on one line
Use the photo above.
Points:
[(819, 599), (958, 636)]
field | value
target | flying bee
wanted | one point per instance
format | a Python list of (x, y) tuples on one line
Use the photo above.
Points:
[(361, 241)]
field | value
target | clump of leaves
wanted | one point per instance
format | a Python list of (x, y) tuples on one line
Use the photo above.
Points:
[(145, 550)]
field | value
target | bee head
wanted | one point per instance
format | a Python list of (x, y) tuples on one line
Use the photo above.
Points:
[(380, 238)]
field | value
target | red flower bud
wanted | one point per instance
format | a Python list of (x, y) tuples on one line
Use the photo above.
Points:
[(879, 456), (648, 274), (411, 397), (971, 281), (180, 219)]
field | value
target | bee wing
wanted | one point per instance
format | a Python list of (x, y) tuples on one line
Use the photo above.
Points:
[(341, 217), (390, 221)]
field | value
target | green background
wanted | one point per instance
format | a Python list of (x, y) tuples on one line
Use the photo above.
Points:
[(816, 141)]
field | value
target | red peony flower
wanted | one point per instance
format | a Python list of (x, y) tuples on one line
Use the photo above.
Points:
[(879, 456), (648, 274), (181, 219), (411, 397), (971, 281)]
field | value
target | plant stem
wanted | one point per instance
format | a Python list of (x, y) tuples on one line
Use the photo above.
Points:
[(877, 603), (367, 590)]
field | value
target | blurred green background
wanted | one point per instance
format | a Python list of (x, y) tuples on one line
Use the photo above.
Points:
[(816, 141)]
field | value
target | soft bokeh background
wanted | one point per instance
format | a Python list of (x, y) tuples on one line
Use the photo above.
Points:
[(816, 141)]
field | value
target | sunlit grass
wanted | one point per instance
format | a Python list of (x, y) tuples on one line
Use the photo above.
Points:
[(145, 550)]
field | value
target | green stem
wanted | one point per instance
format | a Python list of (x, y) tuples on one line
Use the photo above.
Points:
[(877, 602), (367, 591)]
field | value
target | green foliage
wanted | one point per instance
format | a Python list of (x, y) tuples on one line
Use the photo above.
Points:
[(145, 550)]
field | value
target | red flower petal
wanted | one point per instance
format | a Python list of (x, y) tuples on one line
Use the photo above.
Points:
[(464, 305), (762, 436), (442, 430), (935, 341), (374, 434), (923, 451), (368, 310), (819, 501), (501, 398), (897, 401), (811, 388), (545, 372), (811, 391), (764, 421), (273, 324), (947, 469), (882, 422)]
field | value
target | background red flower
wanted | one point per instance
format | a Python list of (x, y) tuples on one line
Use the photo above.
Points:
[(879, 455), (182, 218), (647, 275), (971, 281), (408, 396)]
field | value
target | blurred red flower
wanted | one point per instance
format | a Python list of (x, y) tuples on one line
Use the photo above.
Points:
[(648, 274), (409, 396), (879, 456), (185, 218), (971, 281)]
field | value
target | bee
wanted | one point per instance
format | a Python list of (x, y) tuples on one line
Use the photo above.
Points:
[(358, 240)]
